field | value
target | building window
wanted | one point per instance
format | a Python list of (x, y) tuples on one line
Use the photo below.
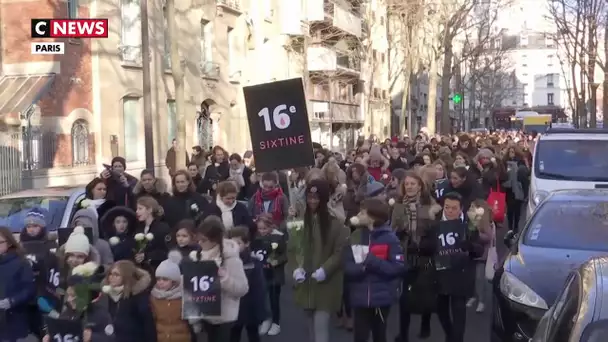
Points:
[(80, 143), (130, 35), (207, 41), (382, 57), (233, 61), (550, 99), (549, 80), (171, 121), (382, 20), (131, 128)]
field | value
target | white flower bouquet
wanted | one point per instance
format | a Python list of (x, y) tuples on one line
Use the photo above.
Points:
[(142, 241), (296, 232)]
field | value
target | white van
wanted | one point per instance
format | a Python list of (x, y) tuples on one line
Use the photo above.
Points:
[(568, 159)]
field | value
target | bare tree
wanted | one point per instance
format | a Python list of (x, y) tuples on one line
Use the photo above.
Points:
[(404, 29), (177, 70), (579, 24), (485, 66)]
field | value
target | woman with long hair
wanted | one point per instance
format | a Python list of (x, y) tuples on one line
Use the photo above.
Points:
[(319, 276), (412, 218), (186, 203), (17, 288)]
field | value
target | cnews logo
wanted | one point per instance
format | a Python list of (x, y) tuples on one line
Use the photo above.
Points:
[(69, 28)]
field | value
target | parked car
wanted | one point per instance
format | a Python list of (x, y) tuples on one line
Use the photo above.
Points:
[(565, 230), (580, 314), (58, 203)]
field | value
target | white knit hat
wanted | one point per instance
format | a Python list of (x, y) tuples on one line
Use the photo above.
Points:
[(170, 268), (78, 242)]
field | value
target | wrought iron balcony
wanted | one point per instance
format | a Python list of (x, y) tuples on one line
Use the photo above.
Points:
[(233, 5)]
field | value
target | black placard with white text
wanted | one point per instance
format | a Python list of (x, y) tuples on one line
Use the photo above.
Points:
[(278, 124), (450, 236), (63, 330), (202, 295)]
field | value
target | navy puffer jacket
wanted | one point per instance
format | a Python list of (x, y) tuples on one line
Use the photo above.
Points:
[(375, 282), (16, 284)]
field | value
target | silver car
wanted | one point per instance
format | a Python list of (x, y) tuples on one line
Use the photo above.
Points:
[(58, 203)]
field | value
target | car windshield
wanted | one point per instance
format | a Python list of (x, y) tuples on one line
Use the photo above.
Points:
[(13, 211), (578, 160), (579, 225)]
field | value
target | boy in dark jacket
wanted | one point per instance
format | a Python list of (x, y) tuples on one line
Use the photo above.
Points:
[(456, 280), (374, 266), (252, 309)]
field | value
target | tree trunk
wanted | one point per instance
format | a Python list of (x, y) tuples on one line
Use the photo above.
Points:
[(431, 111), (446, 77), (404, 102), (178, 82)]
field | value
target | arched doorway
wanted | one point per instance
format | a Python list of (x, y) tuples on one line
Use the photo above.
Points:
[(206, 126)]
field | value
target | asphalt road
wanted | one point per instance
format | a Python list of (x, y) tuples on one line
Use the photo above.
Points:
[(294, 328)]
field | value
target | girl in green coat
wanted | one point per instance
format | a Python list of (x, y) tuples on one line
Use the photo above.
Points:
[(318, 275)]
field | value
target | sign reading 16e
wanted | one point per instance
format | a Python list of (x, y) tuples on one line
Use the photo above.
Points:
[(280, 118)]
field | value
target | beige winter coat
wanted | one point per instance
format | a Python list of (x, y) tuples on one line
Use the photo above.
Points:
[(234, 284)]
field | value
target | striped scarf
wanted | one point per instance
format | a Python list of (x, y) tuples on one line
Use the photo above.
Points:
[(410, 205)]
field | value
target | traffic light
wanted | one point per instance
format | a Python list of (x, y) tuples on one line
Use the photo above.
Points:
[(457, 98)]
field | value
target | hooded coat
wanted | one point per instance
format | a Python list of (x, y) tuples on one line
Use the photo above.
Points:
[(132, 315), (88, 218)]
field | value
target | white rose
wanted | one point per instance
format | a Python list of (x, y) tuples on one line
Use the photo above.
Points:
[(385, 176), (493, 160), (194, 207), (139, 237), (149, 236), (391, 202), (290, 225), (53, 250), (78, 270), (217, 164), (479, 211), (85, 203), (90, 268), (274, 245), (193, 256), (114, 240), (106, 289), (355, 221)]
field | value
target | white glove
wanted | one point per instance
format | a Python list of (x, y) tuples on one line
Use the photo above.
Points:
[(299, 275), (319, 275)]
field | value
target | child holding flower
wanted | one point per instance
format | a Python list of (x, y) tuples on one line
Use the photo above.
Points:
[(482, 227), (83, 304), (120, 224), (152, 236), (274, 269), (252, 306)]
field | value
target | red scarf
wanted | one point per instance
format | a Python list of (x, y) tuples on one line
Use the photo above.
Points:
[(275, 206)]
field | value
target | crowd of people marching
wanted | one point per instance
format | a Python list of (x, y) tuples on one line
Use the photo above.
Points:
[(354, 235)]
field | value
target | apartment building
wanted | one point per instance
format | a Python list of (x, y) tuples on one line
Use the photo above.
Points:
[(64, 115), (536, 62)]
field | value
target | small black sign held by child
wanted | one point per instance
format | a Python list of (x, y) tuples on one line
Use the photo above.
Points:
[(63, 330), (202, 295)]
